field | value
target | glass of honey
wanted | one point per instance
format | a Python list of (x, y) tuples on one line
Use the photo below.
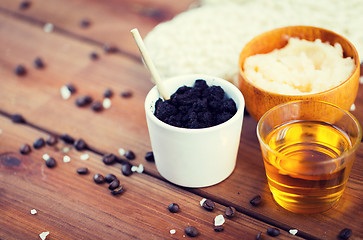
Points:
[(308, 149)]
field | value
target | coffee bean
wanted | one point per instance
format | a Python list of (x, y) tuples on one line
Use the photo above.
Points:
[(97, 106), (110, 177), (126, 94), (82, 170), (108, 93), (126, 169), (118, 190), (38, 63), (208, 205), (191, 231), (80, 144), (71, 88), (93, 56), (39, 143), (230, 212), (25, 149), (83, 101), (50, 162), (149, 156), (109, 159), (173, 208), (67, 138), (17, 118), (259, 236), (98, 178), (218, 228), (256, 200), (51, 140), (130, 155), (108, 48), (24, 5), (20, 70), (273, 232), (114, 184), (84, 23), (345, 234)]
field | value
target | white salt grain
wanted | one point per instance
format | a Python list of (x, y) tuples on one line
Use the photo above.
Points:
[(106, 103), (121, 151), (219, 220), (134, 168), (140, 169), (352, 108), (66, 159), (293, 231), (172, 231), (202, 201), (43, 235), (65, 93), (48, 27), (361, 80), (46, 157), (33, 211), (84, 157)]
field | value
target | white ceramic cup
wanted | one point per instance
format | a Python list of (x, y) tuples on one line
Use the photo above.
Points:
[(195, 157)]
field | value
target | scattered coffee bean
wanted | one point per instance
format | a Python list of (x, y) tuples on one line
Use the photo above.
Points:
[(25, 149), (108, 48), (230, 212), (83, 101), (118, 190), (218, 228), (82, 170), (109, 159), (191, 231), (126, 94), (149, 156), (80, 144), (114, 184), (50, 162), (67, 138), (97, 106), (38, 63), (208, 205), (39, 143), (130, 155), (84, 23), (345, 234), (110, 177), (108, 93), (256, 200), (126, 169), (98, 178), (24, 5), (20, 70), (93, 55), (273, 232), (259, 236), (51, 140), (17, 118), (71, 88), (173, 208)]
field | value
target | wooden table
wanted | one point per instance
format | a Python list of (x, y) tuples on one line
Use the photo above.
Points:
[(72, 206)]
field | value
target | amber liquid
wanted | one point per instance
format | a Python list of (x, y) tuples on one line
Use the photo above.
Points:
[(306, 177)]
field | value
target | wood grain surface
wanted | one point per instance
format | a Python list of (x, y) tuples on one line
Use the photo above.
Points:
[(72, 206)]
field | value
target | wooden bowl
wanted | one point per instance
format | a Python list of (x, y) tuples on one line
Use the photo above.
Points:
[(258, 101)]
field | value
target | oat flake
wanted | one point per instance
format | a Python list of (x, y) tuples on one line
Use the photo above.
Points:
[(293, 231), (43, 235), (84, 157), (33, 211)]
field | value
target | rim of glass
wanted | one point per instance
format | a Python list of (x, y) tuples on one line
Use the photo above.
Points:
[(281, 156)]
